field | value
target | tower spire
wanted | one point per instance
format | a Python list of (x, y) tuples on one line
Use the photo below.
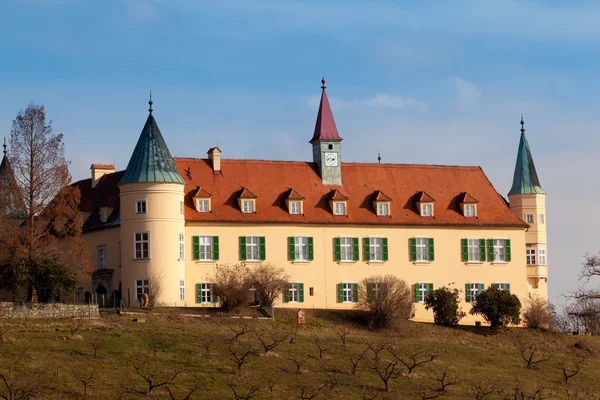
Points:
[(4, 145), (525, 179), (150, 102), (522, 125), (325, 128), (379, 156)]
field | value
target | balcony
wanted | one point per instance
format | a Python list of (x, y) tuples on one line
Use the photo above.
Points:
[(537, 271)]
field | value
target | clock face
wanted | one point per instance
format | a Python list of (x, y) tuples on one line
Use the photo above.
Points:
[(331, 159)]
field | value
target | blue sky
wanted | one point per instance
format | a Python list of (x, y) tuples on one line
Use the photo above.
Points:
[(422, 81)]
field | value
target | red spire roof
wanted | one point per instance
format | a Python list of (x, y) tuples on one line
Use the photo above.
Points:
[(325, 128)]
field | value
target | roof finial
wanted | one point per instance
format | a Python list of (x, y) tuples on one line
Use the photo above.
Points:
[(522, 124), (4, 145), (150, 102), (379, 156), (323, 83)]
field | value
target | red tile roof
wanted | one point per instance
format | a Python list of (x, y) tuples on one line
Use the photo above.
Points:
[(423, 197), (200, 192), (105, 194), (271, 182), (378, 195), (325, 128), (337, 195)]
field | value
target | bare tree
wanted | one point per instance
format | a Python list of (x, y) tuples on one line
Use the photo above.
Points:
[(241, 355), (156, 289), (154, 375), (269, 280), (96, 344), (377, 347), (207, 342), (239, 331), (528, 353), (231, 282), (342, 331), (385, 299), (386, 370), (238, 394), (299, 361), (481, 391), (415, 358), (587, 300), (536, 315), (571, 369), (356, 360), (309, 392), (441, 382), (269, 340), (85, 377), (321, 347), (272, 380)]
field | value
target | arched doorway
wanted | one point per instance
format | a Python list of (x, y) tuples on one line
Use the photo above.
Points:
[(101, 295)]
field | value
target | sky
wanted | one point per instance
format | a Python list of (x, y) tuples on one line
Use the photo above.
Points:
[(421, 81)]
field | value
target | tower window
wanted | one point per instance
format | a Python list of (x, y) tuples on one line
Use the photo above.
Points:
[(140, 207), (529, 218), (142, 245), (530, 256), (541, 218), (330, 147)]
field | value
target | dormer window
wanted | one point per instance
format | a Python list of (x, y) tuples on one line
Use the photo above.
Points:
[(203, 205), (470, 210), (202, 200), (103, 215), (427, 210), (424, 204), (295, 207), (294, 202), (383, 209), (468, 204), (248, 206), (339, 208)]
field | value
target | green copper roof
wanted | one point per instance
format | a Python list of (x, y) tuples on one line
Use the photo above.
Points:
[(525, 180), (151, 160)]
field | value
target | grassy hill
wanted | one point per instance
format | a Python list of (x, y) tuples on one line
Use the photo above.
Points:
[(115, 357)]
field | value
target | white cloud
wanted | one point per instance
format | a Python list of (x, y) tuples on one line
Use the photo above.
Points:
[(467, 94), (143, 10), (380, 100)]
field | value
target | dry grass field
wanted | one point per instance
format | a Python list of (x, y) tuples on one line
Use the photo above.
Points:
[(183, 357)]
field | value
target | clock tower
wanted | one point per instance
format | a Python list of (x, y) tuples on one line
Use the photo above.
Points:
[(326, 143)]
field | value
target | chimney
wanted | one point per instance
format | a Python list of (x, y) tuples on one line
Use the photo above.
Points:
[(99, 170), (214, 153)]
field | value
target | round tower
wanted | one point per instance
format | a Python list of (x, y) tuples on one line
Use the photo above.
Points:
[(152, 222), (528, 201)]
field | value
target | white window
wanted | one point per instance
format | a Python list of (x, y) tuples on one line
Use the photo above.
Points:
[(473, 290), (541, 218), (181, 246), (474, 250), (502, 286), (140, 207), (339, 208), (141, 245), (427, 210), (206, 293), (248, 206), (347, 249), (101, 258), (205, 248), (182, 290), (347, 293), (294, 292), (301, 248), (383, 209), (181, 207), (141, 286), (469, 210), (377, 287), (529, 218), (530, 256), (422, 249), (375, 249), (295, 207), (542, 255), (203, 205), (422, 291), (499, 250), (252, 248)]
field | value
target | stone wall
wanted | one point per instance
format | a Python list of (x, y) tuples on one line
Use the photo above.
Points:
[(58, 310)]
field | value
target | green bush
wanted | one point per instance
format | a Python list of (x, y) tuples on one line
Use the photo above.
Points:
[(444, 303), (497, 307)]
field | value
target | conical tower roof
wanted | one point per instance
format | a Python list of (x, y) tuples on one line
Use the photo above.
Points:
[(325, 128), (151, 160), (525, 180)]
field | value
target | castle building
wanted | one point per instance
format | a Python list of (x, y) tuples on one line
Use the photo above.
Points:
[(328, 223)]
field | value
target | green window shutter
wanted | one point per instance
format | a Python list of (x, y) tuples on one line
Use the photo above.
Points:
[(384, 244), (355, 292), (417, 292), (340, 292), (311, 253), (508, 287), (243, 255), (413, 249), (366, 249), (215, 247), (464, 245), (468, 292), (430, 248), (495, 285), (291, 249), (481, 287), (285, 295), (482, 250), (198, 291), (507, 242), (301, 292), (263, 248), (490, 243), (338, 249), (429, 288), (213, 298), (355, 246), (196, 247)]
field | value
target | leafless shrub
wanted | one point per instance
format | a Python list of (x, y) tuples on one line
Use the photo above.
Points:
[(96, 344), (481, 391), (536, 314), (342, 331), (154, 374), (272, 380), (231, 285), (441, 382), (385, 299), (298, 361), (385, 370), (207, 342), (516, 393), (332, 380), (571, 369), (241, 355), (415, 358), (321, 347), (84, 377), (158, 342), (156, 281), (367, 393), (269, 341), (528, 353), (186, 396), (74, 325), (309, 392), (246, 394), (19, 385), (578, 394), (377, 347), (239, 331), (356, 360), (269, 280), (292, 333)]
